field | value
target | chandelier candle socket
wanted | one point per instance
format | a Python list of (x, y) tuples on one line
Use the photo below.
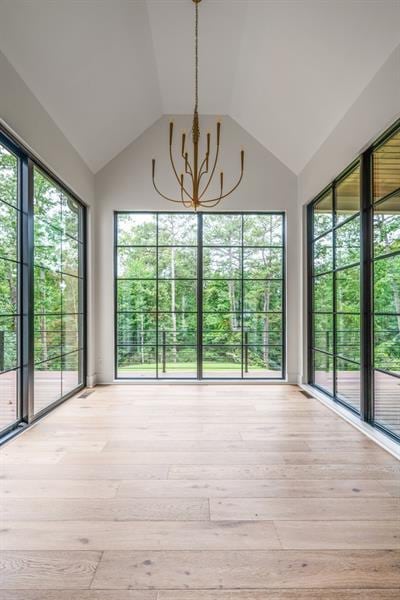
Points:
[(195, 168)]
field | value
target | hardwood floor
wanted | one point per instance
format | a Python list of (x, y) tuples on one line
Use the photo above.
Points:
[(198, 493)]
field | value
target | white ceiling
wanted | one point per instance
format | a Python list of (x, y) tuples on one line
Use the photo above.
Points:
[(286, 70)]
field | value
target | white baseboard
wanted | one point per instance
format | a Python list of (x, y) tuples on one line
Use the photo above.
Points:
[(372, 433)]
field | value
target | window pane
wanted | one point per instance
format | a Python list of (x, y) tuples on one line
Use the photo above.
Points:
[(8, 287), (262, 361), (222, 361), (71, 302), (136, 229), (348, 290), (222, 329), (386, 167), (47, 337), (136, 295), (323, 371), (222, 263), (323, 214), (136, 361), (263, 329), (177, 262), (177, 328), (136, 329), (387, 226), (348, 196), (8, 397), (71, 217), (47, 200), (137, 263), (70, 257), (348, 382), (323, 332), (72, 372), (47, 383), (348, 243), (177, 230), (387, 343), (348, 336), (387, 401), (177, 361), (263, 263), (72, 333), (262, 296), (8, 343), (222, 230), (323, 293), (177, 295), (323, 254), (222, 296), (387, 285), (8, 177), (8, 230), (47, 291), (263, 230), (47, 252)]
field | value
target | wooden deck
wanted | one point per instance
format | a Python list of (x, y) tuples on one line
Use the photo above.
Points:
[(198, 493)]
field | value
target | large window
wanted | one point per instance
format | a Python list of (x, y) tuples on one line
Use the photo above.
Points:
[(336, 290), (10, 269), (354, 293), (42, 284), (199, 295), (386, 282), (58, 292)]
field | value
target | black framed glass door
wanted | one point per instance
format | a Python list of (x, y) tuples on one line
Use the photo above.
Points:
[(199, 296), (42, 288)]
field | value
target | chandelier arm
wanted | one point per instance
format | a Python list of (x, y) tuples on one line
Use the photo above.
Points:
[(187, 164), (227, 193), (212, 173), (201, 172), (163, 195), (176, 173)]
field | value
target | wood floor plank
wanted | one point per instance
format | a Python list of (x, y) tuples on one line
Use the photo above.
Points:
[(318, 594), (311, 535), (224, 458), (268, 569), (87, 471), (134, 445), (139, 535), (114, 509), (305, 509), (55, 488), (52, 570), (273, 488), (260, 471), (90, 595)]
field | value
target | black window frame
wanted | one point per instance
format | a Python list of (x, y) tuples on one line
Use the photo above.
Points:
[(367, 260), (28, 161), (200, 345)]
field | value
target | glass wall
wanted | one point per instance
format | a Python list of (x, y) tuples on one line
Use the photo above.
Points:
[(42, 284), (58, 292), (386, 283), (199, 296), (354, 291), (336, 290), (10, 268)]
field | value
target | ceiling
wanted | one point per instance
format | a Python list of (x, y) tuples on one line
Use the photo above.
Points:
[(286, 70)]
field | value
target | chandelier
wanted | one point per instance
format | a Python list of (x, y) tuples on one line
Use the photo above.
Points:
[(198, 171)]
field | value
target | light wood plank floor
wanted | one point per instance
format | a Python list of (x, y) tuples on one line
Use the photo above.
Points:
[(198, 493)]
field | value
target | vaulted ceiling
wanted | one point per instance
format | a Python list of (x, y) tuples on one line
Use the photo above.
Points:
[(286, 70)]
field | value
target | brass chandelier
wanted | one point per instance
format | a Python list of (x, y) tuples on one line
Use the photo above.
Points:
[(196, 168)]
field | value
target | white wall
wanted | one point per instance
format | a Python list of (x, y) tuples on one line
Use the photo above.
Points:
[(375, 110), (125, 184), (22, 112)]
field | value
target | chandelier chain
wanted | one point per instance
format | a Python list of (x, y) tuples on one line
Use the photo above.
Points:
[(196, 55)]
